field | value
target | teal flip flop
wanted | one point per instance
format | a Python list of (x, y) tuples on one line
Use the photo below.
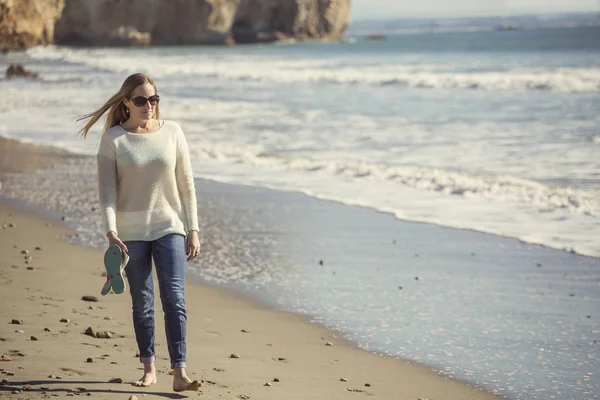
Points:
[(114, 262)]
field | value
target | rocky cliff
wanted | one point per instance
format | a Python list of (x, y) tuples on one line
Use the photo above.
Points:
[(91, 22), (264, 20), (26, 23)]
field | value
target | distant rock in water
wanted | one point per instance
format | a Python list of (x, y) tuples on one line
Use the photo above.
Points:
[(28, 23), (19, 71), (507, 27), (376, 36)]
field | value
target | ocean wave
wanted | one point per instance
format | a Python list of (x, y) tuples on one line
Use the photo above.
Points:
[(544, 198), (568, 80)]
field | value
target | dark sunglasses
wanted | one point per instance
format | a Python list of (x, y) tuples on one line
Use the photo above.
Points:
[(140, 101)]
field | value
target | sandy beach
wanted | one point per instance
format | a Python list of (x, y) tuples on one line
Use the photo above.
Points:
[(44, 277)]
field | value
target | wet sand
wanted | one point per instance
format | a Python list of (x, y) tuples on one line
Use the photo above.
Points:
[(281, 355)]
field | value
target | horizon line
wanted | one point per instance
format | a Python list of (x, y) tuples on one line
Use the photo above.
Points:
[(465, 16)]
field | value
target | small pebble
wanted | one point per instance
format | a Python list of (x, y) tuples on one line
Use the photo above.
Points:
[(328, 344), (367, 384), (268, 384), (19, 331), (115, 380), (24, 251), (10, 374), (103, 335), (321, 262), (234, 356), (108, 318), (89, 298), (89, 360), (65, 320), (47, 330), (33, 338), (30, 268), (38, 248), (90, 332), (244, 331), (275, 379), (343, 380), (17, 322), (12, 225)]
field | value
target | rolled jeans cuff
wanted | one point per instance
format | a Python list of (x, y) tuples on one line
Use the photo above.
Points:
[(147, 360), (178, 364)]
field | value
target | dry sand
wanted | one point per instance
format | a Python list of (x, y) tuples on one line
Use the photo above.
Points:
[(48, 357)]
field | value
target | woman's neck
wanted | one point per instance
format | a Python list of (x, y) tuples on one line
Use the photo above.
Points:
[(140, 126)]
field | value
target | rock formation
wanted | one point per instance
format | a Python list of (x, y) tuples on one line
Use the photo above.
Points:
[(169, 22), (26, 23), (267, 20), (19, 71)]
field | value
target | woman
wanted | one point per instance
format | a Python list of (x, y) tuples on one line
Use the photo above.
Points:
[(148, 203)]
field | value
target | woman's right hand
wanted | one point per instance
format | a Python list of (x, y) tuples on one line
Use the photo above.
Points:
[(114, 239)]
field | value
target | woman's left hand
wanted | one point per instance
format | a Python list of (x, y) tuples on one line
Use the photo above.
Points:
[(192, 245)]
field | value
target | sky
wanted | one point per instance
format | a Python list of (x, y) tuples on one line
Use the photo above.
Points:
[(386, 9)]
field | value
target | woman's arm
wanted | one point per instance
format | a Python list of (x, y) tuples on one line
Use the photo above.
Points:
[(107, 183), (185, 183)]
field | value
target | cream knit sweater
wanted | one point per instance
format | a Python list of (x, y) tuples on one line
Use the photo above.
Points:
[(146, 184)]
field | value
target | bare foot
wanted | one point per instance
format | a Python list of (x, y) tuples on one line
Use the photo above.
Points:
[(149, 377), (182, 383)]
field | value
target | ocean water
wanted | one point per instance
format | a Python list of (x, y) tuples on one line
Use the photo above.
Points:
[(494, 132)]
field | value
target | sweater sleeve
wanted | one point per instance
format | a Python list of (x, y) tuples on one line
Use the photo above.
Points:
[(185, 182), (107, 182)]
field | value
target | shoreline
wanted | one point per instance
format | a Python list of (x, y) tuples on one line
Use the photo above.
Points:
[(300, 340), (44, 150)]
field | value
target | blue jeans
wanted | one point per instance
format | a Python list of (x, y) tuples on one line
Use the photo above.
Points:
[(169, 257)]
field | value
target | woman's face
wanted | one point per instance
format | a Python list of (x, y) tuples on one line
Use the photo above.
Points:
[(146, 111)]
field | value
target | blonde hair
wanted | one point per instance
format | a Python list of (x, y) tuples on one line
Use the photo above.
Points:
[(117, 111)]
